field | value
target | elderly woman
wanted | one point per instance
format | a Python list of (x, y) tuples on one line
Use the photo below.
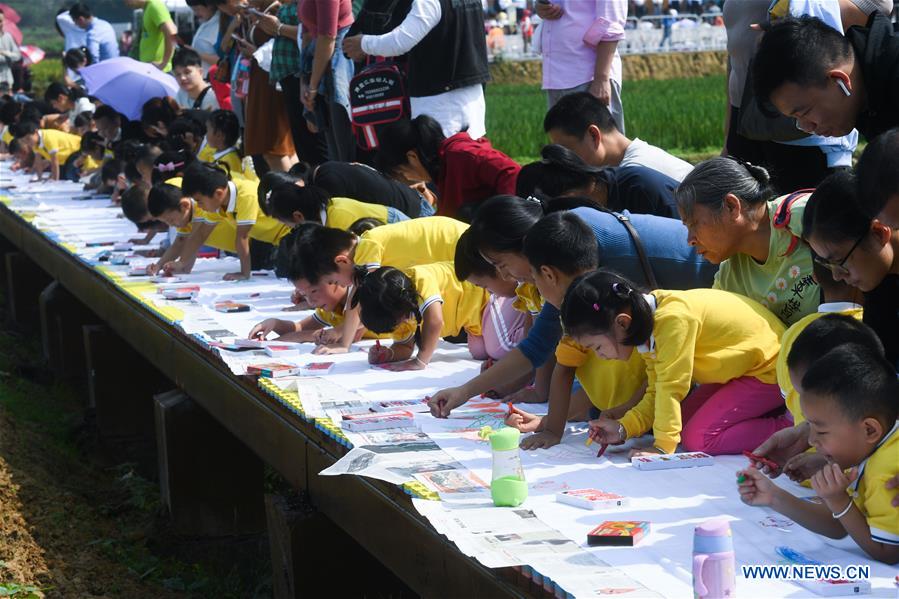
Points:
[(734, 219)]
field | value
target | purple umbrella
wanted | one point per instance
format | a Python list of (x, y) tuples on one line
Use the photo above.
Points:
[(126, 84)]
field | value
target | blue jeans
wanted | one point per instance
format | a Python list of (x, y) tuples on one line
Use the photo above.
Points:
[(395, 216), (426, 208)]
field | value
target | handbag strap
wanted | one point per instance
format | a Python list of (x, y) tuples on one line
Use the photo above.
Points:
[(625, 221), (199, 101)]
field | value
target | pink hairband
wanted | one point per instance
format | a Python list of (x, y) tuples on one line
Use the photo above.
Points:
[(168, 167)]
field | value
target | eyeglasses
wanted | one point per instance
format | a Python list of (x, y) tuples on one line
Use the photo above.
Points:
[(835, 267)]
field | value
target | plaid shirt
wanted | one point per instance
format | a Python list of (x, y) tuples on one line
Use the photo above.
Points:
[(285, 53)]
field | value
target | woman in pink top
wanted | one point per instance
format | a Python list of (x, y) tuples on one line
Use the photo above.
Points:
[(579, 41), (327, 73)]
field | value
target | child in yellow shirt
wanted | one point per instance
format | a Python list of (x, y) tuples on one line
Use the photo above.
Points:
[(559, 248), (166, 203), (726, 342), (849, 399), (328, 300), (838, 298), (52, 146), (222, 139), (234, 201), (293, 204), (428, 296), (334, 254), (788, 447)]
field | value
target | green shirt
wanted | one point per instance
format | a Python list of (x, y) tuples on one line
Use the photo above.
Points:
[(784, 283), (152, 39)]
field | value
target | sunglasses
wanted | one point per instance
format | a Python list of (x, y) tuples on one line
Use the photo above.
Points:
[(836, 267)]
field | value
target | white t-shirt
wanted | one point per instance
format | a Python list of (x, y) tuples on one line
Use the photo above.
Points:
[(455, 109), (640, 153), (210, 102), (81, 105), (205, 36)]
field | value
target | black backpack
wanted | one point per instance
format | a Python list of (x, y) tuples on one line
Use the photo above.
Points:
[(378, 92), (377, 98)]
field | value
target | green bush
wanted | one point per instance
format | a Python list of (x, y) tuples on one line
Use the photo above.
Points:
[(43, 74), (683, 116)]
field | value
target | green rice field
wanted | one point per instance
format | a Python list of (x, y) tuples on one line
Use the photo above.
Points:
[(683, 116)]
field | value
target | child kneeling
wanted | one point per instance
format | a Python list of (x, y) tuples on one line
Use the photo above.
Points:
[(849, 400)]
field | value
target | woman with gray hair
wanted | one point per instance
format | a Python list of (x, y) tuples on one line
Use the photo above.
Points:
[(734, 219)]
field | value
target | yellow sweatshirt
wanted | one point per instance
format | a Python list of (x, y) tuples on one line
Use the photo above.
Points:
[(701, 335), (786, 344)]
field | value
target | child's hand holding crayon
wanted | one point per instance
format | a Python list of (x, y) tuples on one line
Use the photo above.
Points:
[(781, 447), (607, 432), (523, 421), (756, 488), (380, 354)]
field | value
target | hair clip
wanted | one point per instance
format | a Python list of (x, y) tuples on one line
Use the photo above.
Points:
[(168, 167), (534, 200), (620, 289), (268, 195), (596, 307)]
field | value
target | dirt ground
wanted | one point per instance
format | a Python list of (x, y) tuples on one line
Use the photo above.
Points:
[(73, 524)]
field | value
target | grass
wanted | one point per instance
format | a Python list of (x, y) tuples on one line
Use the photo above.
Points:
[(113, 510), (44, 73), (683, 116)]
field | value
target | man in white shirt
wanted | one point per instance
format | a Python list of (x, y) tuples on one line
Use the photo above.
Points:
[(100, 37), (584, 125), (456, 108)]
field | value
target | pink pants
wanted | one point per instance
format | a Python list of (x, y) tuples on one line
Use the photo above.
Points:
[(733, 417), (502, 328)]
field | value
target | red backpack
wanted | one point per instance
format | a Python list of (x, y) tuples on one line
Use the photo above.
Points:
[(377, 98)]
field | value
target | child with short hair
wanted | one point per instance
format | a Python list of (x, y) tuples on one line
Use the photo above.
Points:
[(53, 147), (428, 295), (559, 248), (234, 202), (849, 399), (334, 254), (726, 342), (165, 203), (328, 298), (502, 326), (788, 446)]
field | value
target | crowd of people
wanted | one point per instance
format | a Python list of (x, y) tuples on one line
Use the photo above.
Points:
[(748, 303)]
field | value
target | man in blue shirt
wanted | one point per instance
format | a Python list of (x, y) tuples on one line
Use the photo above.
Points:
[(100, 37)]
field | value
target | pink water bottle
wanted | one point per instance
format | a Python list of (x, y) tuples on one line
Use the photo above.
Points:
[(714, 575)]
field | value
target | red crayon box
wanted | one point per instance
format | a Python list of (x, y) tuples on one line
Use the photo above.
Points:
[(618, 533)]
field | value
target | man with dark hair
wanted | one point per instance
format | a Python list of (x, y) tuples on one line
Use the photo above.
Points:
[(830, 83), (878, 177), (99, 36), (195, 93), (584, 125)]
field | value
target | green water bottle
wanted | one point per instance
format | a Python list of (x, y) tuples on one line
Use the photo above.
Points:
[(508, 487)]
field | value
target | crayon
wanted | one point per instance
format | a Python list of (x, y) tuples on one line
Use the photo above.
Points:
[(602, 450), (741, 478)]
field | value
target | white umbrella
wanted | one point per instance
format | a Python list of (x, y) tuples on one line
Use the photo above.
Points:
[(126, 84)]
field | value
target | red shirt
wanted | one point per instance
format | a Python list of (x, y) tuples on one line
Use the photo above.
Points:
[(471, 170), (325, 17)]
